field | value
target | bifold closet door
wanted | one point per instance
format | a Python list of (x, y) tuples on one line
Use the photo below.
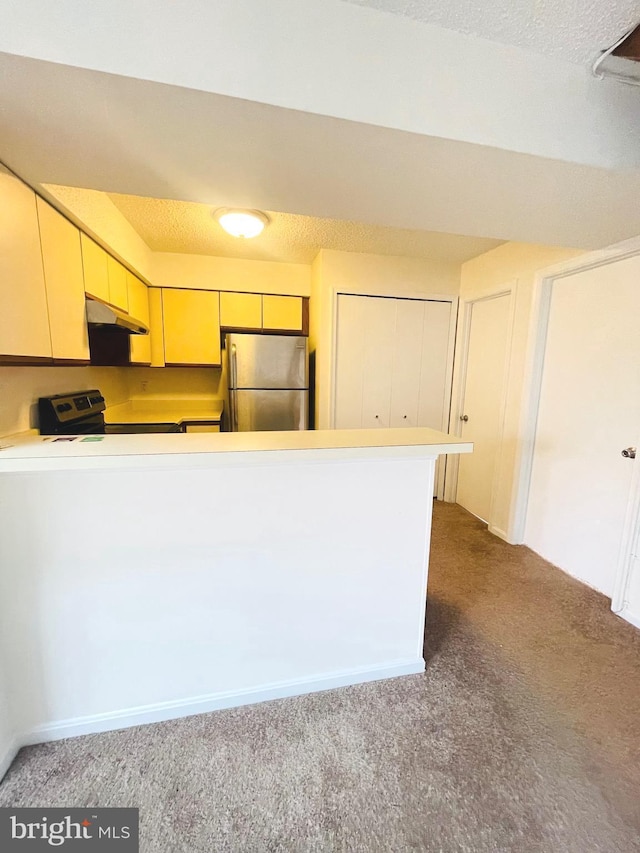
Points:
[(366, 343), (392, 360)]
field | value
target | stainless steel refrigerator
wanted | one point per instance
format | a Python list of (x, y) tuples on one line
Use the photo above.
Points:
[(268, 378)]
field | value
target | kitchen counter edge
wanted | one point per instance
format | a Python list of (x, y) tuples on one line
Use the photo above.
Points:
[(35, 453)]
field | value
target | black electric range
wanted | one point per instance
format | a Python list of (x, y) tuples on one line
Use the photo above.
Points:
[(82, 413)]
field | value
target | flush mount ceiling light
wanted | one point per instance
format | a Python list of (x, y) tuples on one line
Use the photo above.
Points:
[(241, 223)]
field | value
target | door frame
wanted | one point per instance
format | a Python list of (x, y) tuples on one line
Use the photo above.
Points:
[(510, 290), (414, 297), (532, 390)]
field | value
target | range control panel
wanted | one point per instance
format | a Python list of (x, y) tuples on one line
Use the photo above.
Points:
[(65, 408)]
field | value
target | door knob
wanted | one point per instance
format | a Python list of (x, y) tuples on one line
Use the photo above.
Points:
[(464, 418), (629, 453)]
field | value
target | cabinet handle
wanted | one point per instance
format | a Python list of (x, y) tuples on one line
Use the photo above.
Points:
[(464, 418), (404, 417)]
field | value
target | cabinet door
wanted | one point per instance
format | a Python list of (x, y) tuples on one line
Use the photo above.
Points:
[(96, 274), (282, 313), (118, 293), (156, 326), (191, 327), (241, 311), (24, 322), (64, 280), (138, 294)]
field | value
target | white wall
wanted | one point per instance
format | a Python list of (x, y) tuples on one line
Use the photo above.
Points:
[(342, 60), (20, 388), (511, 263), (8, 743), (212, 273), (244, 581), (176, 382), (352, 272)]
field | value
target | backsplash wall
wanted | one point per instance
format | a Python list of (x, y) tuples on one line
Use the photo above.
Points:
[(20, 388)]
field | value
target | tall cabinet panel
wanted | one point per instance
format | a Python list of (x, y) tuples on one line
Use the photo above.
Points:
[(62, 260), (24, 322)]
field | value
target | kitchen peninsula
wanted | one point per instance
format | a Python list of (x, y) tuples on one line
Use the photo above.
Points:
[(149, 577)]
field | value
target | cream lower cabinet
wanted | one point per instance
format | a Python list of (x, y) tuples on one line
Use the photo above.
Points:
[(64, 280), (138, 300), (191, 323), (24, 320)]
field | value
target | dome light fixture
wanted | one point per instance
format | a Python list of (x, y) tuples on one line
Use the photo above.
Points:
[(241, 223)]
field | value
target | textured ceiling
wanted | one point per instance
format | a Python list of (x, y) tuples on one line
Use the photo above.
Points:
[(187, 227), (575, 30)]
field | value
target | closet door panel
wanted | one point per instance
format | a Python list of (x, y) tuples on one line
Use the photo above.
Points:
[(407, 362), (434, 393), (380, 331)]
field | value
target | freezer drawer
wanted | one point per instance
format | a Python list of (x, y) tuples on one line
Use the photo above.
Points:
[(268, 410)]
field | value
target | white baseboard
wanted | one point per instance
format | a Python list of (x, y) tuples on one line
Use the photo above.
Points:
[(497, 531), (632, 618), (162, 711), (10, 750)]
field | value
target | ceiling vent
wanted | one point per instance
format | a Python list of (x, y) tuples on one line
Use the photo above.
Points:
[(622, 60)]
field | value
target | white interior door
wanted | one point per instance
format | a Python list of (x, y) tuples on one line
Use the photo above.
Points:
[(589, 412), (483, 402)]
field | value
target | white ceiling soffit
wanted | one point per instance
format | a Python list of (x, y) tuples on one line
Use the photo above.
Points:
[(121, 135), (574, 30), (186, 227), (332, 58)]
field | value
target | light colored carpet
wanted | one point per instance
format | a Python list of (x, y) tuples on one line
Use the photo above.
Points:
[(523, 735)]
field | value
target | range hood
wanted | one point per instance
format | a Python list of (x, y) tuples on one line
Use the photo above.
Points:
[(101, 315)]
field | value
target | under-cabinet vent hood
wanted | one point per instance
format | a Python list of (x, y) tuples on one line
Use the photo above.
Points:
[(101, 315)]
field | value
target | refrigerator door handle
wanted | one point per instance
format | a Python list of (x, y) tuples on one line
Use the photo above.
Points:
[(233, 415), (234, 367)]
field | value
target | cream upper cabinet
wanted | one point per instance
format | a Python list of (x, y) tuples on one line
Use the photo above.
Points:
[(24, 322), (138, 298), (64, 280), (118, 291), (282, 313), (96, 273), (156, 326), (241, 310), (191, 327)]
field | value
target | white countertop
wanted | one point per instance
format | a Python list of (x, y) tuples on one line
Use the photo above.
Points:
[(171, 411), (39, 453)]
